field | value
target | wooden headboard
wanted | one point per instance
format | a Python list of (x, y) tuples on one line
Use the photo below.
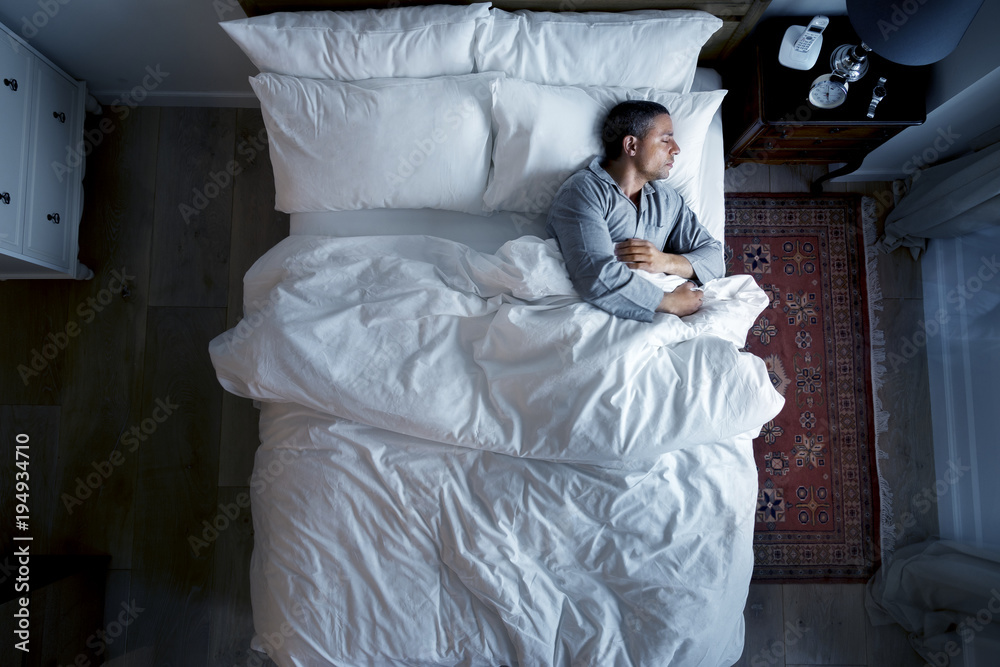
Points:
[(739, 17)]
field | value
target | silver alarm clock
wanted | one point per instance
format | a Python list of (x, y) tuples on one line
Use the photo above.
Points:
[(828, 91)]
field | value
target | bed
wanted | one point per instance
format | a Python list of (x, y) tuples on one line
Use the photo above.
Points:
[(461, 462)]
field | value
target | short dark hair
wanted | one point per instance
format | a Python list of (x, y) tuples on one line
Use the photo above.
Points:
[(633, 117)]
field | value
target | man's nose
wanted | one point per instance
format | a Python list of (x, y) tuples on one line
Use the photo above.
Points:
[(675, 148)]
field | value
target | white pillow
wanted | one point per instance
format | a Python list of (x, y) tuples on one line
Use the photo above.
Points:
[(644, 48), (542, 134), (414, 42), (380, 143)]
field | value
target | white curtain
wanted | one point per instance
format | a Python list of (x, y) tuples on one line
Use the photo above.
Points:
[(946, 595), (947, 200)]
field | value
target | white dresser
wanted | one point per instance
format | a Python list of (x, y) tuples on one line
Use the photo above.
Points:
[(41, 165)]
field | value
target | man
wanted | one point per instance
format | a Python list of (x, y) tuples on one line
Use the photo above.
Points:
[(617, 214)]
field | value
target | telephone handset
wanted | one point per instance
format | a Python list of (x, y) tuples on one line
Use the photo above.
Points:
[(801, 44)]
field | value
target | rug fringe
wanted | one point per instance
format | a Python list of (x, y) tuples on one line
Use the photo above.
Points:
[(869, 216)]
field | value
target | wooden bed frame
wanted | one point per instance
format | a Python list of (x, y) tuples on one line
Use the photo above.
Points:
[(739, 17)]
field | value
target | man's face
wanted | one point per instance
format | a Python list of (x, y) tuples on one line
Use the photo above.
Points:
[(654, 154)]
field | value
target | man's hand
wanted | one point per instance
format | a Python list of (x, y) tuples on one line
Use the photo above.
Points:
[(642, 254), (684, 300)]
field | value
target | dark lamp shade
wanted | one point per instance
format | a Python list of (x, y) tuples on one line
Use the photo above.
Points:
[(912, 32)]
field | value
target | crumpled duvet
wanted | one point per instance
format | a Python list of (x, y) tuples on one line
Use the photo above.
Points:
[(429, 338), (465, 464)]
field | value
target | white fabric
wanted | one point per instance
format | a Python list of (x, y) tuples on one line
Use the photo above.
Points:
[(945, 201), (542, 134), (533, 371), (946, 595), (488, 234), (393, 143), (523, 477), (415, 42), (636, 49), (371, 548), (485, 234)]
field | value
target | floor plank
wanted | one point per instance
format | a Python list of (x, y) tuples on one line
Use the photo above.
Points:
[(118, 598), (796, 177), (831, 620), (232, 617), (175, 502), (97, 480), (35, 313), (889, 647), (256, 228), (748, 177), (766, 639), (194, 198)]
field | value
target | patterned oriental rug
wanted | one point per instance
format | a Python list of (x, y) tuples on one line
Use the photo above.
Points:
[(818, 502)]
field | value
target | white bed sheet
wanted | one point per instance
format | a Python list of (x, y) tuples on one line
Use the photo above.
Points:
[(373, 548), (488, 233), (375, 545)]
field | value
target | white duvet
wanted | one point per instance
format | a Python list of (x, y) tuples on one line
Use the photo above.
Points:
[(465, 464)]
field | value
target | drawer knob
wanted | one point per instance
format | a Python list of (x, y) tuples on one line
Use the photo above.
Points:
[(5, 197), (11, 83), (834, 130), (60, 116), (769, 145), (54, 217)]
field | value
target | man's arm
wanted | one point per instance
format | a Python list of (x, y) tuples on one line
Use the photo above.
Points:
[(576, 220), (642, 254), (690, 240), (689, 251)]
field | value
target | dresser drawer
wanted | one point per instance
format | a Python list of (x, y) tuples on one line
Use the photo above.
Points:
[(812, 150), (48, 220), (809, 143), (846, 132), (15, 72)]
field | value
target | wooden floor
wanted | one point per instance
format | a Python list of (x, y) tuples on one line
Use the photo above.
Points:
[(135, 387)]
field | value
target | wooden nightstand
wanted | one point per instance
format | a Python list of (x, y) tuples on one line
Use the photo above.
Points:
[(767, 119)]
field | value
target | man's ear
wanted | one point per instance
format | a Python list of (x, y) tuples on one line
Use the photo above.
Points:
[(629, 145)]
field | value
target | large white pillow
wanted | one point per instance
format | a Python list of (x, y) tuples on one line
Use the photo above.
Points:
[(416, 42), (645, 48), (542, 134), (380, 143)]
